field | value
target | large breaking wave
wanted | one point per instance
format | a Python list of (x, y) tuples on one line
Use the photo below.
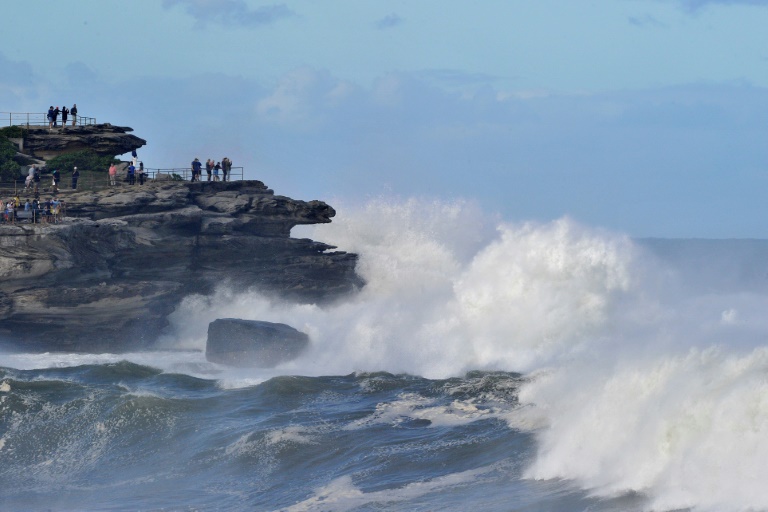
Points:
[(647, 359)]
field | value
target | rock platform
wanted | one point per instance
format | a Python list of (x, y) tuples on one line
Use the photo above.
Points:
[(107, 277)]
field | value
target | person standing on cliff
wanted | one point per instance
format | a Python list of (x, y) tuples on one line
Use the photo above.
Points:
[(75, 176), (112, 174), (56, 178), (209, 168), (30, 177), (56, 117), (197, 168), (73, 111), (131, 175), (64, 112), (50, 117), (142, 174), (226, 166)]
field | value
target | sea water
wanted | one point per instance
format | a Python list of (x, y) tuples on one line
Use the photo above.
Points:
[(486, 365)]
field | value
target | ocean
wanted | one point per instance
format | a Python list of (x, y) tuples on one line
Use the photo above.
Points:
[(487, 364)]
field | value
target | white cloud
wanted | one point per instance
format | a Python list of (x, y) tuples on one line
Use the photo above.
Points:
[(232, 12)]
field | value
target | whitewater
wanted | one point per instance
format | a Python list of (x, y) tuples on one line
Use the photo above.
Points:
[(487, 363)]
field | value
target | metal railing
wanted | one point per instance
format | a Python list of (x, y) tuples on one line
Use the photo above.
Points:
[(43, 214), (185, 174), (90, 180), (41, 119)]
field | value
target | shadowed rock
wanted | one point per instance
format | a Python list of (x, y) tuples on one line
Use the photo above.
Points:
[(104, 139), (107, 278), (253, 343)]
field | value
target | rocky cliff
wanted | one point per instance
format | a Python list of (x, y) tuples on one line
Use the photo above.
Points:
[(42, 143), (107, 277)]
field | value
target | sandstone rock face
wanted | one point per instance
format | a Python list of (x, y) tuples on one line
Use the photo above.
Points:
[(107, 277), (253, 343), (104, 139)]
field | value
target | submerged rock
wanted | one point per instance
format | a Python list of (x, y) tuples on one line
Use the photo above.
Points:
[(248, 343)]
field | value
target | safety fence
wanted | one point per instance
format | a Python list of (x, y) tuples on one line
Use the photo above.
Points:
[(41, 119), (185, 174), (100, 180), (42, 212)]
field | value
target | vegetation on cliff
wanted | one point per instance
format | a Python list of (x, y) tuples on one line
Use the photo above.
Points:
[(85, 160), (9, 169)]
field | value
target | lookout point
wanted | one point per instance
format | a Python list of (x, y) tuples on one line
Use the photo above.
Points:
[(104, 274)]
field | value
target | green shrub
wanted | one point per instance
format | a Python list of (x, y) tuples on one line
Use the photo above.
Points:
[(9, 169), (13, 132), (86, 160)]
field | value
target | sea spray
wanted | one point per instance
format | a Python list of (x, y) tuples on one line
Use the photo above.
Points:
[(521, 297), (644, 382)]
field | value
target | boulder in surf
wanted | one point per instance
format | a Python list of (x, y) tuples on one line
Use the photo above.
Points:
[(253, 343)]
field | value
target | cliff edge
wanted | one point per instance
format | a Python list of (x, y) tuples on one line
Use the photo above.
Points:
[(107, 277)]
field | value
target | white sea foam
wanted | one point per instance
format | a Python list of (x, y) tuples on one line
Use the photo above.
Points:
[(643, 376), (341, 494), (441, 298)]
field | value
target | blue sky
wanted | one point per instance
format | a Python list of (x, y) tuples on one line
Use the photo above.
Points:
[(648, 117)]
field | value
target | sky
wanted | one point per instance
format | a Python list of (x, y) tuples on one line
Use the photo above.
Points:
[(644, 117)]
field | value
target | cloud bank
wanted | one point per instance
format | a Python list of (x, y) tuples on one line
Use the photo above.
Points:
[(676, 161), (695, 5)]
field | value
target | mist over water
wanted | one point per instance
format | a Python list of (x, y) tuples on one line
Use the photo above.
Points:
[(647, 360)]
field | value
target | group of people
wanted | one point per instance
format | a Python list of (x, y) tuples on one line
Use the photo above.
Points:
[(32, 181), (35, 210), (132, 174), (53, 115), (212, 169)]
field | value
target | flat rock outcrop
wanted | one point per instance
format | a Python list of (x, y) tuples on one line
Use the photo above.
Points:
[(107, 277), (105, 139), (253, 343)]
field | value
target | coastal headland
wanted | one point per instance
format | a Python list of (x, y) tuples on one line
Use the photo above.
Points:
[(107, 276)]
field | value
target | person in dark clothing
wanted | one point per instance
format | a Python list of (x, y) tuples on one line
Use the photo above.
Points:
[(50, 117), (56, 116), (141, 173), (73, 111), (197, 169), (56, 178), (64, 112), (226, 166), (75, 176), (131, 175)]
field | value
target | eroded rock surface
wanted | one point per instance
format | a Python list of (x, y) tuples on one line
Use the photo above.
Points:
[(107, 278), (105, 139)]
